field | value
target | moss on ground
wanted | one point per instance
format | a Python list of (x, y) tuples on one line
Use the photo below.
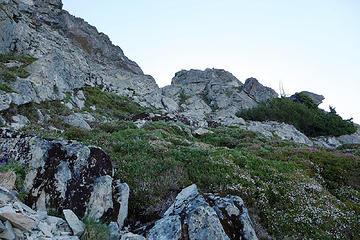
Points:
[(298, 192)]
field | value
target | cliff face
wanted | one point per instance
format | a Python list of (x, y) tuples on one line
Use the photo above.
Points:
[(70, 54)]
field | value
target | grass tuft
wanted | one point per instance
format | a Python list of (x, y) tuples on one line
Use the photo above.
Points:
[(95, 230)]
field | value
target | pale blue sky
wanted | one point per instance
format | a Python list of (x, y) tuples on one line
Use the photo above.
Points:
[(309, 45)]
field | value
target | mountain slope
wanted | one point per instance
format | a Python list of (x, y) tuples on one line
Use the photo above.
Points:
[(70, 54)]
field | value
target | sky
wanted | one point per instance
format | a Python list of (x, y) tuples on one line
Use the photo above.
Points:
[(299, 44)]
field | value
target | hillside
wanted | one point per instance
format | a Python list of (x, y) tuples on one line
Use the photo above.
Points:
[(85, 134)]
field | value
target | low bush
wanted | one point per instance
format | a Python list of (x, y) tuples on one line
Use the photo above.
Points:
[(10, 73), (305, 116), (111, 105), (6, 88), (95, 230)]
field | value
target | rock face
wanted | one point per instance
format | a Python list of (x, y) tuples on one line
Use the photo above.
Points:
[(62, 174), (70, 54), (197, 216), (213, 95)]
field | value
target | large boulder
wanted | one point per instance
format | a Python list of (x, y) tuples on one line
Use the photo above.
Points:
[(62, 174), (258, 92), (317, 98), (203, 216)]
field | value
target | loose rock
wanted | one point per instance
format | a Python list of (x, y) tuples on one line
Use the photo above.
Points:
[(75, 224)]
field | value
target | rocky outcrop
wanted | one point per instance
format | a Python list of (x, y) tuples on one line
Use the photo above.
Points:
[(317, 99), (335, 142), (213, 95), (62, 175), (258, 92), (197, 216), (70, 54), (273, 129)]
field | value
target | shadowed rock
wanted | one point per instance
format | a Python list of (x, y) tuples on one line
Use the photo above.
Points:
[(62, 174)]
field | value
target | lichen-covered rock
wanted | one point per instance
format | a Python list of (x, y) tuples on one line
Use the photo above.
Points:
[(327, 142), (122, 198), (8, 233), (75, 224), (131, 236), (17, 220), (62, 174), (233, 215), (77, 120), (18, 122), (274, 129), (201, 131), (197, 216)]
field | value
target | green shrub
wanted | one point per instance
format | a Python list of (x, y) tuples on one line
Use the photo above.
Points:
[(307, 118), (24, 59), (183, 97), (18, 169), (9, 74), (111, 105), (4, 87), (306, 100), (95, 230), (76, 133), (117, 126)]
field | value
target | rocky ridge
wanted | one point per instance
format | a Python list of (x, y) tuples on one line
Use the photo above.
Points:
[(70, 54), (212, 95)]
